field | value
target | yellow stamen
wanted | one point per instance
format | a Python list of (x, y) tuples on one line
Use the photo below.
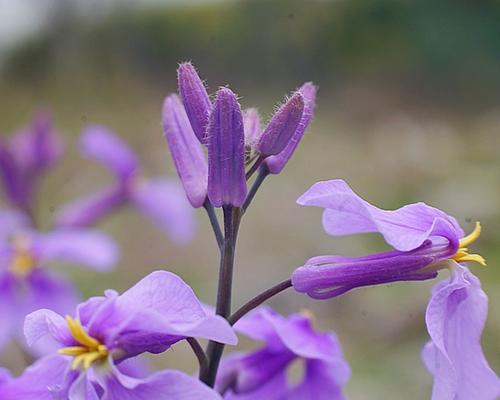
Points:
[(462, 254), (90, 350)]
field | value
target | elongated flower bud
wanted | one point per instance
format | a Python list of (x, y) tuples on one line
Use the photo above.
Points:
[(276, 163), (226, 170), (282, 126), (195, 99), (251, 124), (186, 151)]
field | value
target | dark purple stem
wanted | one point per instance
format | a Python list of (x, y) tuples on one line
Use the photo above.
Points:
[(258, 300), (263, 173), (254, 167), (214, 352), (200, 355), (214, 222)]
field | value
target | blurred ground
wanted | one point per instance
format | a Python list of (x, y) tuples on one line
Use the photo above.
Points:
[(409, 110)]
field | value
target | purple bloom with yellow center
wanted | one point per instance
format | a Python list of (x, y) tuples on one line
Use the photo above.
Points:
[(234, 138), (157, 312), (160, 200), (25, 282), (262, 374), (25, 157), (425, 240)]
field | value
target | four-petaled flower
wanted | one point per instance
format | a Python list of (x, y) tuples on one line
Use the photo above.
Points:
[(262, 374), (157, 312)]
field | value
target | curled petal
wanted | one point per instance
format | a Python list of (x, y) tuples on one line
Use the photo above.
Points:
[(455, 319), (405, 228), (195, 99), (101, 144), (46, 323), (276, 163), (187, 153), (226, 152), (282, 126)]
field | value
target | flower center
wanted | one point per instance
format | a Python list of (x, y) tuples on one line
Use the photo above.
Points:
[(90, 349), (462, 254), (22, 261)]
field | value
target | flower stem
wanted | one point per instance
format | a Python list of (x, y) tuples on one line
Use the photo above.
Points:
[(232, 216), (263, 173), (214, 222), (258, 300), (200, 355), (254, 167)]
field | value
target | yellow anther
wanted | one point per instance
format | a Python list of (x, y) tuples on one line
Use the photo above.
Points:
[(90, 350), (462, 254), (22, 261)]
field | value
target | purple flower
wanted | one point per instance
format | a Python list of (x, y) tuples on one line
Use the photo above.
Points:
[(455, 319), (261, 374), (424, 239), (154, 314), (158, 199), (25, 157), (234, 139), (226, 152), (25, 282)]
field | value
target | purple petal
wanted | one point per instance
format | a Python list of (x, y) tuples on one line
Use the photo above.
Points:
[(165, 204), (12, 222), (174, 304), (282, 126), (101, 144), (328, 276), (405, 228), (455, 319), (15, 184), (189, 159), (275, 164), (7, 309), (5, 375), (41, 381), (46, 323), (84, 247), (251, 126), (226, 152), (168, 384), (322, 381), (87, 211), (195, 99), (46, 146)]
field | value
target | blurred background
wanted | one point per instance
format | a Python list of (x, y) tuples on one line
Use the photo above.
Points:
[(408, 110)]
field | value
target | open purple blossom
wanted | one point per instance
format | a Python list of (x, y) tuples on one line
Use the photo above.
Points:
[(424, 239), (26, 284), (25, 157), (159, 199), (262, 374), (455, 319), (157, 312), (234, 138)]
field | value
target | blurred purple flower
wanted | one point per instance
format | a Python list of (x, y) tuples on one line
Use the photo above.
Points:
[(25, 157), (157, 312), (262, 374), (455, 319), (25, 282), (219, 126), (161, 200), (424, 239)]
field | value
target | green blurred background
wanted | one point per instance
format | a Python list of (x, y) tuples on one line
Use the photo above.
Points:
[(408, 110)]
